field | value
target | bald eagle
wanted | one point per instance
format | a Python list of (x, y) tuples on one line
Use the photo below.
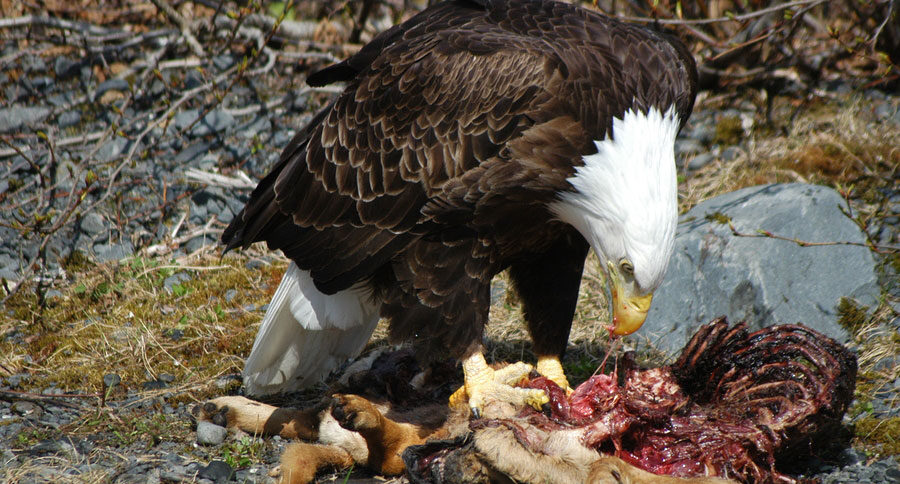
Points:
[(478, 136)]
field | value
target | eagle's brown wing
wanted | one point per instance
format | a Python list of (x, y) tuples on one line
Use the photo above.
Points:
[(451, 122)]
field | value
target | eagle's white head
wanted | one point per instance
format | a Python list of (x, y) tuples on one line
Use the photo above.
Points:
[(625, 203)]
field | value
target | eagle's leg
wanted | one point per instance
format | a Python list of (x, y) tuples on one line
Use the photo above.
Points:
[(484, 384), (551, 367), (548, 287)]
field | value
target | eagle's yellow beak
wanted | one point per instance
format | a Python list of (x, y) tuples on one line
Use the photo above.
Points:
[(629, 311)]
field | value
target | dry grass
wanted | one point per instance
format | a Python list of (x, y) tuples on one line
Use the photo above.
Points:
[(118, 318), (836, 143)]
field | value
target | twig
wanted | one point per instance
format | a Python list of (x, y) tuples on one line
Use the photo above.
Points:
[(208, 178), (165, 247), (183, 24), (887, 17), (803, 243), (74, 140), (55, 22), (44, 397), (735, 18)]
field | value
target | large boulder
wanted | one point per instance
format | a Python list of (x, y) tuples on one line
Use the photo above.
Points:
[(762, 280)]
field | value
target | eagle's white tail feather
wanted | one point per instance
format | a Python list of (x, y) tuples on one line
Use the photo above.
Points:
[(305, 334)]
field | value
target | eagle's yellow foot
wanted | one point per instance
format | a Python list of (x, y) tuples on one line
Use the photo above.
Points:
[(550, 367), (484, 383)]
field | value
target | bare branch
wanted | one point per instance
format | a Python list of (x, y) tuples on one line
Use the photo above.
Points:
[(183, 24), (733, 18)]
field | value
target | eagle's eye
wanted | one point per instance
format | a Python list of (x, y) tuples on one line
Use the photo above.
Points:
[(627, 267)]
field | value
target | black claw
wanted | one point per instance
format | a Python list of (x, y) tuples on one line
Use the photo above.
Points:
[(220, 418), (547, 409), (476, 412)]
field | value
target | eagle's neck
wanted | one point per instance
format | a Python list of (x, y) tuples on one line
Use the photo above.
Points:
[(624, 198)]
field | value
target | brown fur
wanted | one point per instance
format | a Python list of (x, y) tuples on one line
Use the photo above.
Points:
[(352, 430)]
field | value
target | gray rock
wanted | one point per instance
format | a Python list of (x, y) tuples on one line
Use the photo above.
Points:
[(253, 128), (192, 79), (210, 434), (111, 380), (699, 161), (217, 471), (112, 149), (193, 151), (27, 409), (731, 153), (762, 280), (184, 119), (687, 146), (65, 67), (68, 118), (282, 137), (34, 63), (12, 119), (114, 84), (213, 122), (93, 224), (109, 252), (176, 278), (223, 62)]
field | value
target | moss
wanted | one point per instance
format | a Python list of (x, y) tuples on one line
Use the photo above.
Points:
[(729, 131), (852, 316), (881, 436), (77, 262), (718, 217)]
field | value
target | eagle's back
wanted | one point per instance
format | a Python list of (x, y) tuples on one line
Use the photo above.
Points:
[(451, 124)]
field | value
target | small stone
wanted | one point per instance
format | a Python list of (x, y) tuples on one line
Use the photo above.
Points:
[(120, 85), (110, 252), (700, 161), (199, 242), (177, 278), (165, 377), (209, 433), (68, 118), (731, 153), (93, 224), (34, 63), (192, 79), (214, 122), (14, 118), (26, 409), (192, 152), (112, 149), (111, 379), (223, 62), (184, 119), (65, 67), (892, 475), (229, 295), (154, 385), (883, 111), (217, 471), (688, 146), (282, 137), (253, 128)]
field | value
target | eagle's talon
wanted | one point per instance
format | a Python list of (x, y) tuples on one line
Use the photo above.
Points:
[(484, 384)]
